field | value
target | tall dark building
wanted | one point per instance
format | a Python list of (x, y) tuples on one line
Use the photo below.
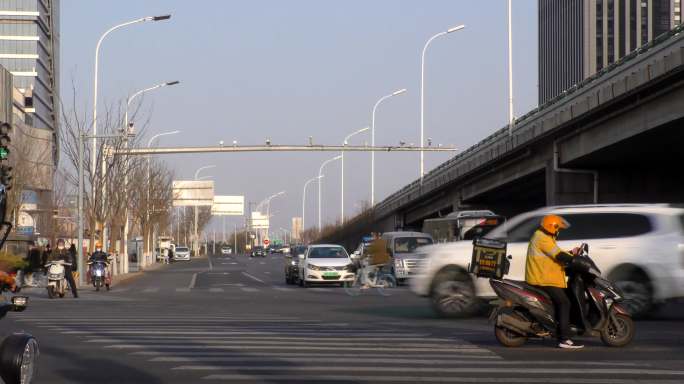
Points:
[(577, 38)]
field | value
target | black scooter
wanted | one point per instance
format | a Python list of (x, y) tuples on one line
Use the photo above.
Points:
[(524, 311)]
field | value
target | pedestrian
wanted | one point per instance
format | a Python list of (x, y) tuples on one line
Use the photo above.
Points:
[(63, 254), (74, 256), (47, 251)]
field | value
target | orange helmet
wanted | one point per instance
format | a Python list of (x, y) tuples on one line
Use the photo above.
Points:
[(554, 223), (98, 244)]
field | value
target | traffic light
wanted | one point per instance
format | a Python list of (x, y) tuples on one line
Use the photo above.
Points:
[(5, 129), (6, 176)]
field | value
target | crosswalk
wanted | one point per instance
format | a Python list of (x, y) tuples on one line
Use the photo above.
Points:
[(274, 348)]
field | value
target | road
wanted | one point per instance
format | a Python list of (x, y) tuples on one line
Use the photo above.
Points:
[(233, 319)]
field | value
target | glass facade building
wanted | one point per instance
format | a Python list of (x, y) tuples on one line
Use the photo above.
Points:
[(578, 38), (29, 49)]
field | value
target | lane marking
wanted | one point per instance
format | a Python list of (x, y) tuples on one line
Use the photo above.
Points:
[(507, 370), (250, 289), (330, 353), (287, 347), (211, 266), (193, 281), (385, 360), (253, 277), (422, 379), (151, 290), (182, 289), (284, 289), (214, 290)]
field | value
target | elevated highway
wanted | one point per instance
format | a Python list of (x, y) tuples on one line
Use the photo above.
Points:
[(616, 137)]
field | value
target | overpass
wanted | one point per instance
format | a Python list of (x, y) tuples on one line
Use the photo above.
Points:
[(616, 137)]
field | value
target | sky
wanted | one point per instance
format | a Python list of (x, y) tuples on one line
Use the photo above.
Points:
[(253, 70)]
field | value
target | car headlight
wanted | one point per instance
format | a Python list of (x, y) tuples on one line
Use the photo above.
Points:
[(293, 262), (313, 267), (398, 264)]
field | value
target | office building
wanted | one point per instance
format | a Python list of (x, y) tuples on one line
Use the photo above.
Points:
[(578, 38), (29, 49)]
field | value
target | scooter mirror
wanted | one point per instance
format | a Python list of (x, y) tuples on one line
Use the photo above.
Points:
[(509, 257)]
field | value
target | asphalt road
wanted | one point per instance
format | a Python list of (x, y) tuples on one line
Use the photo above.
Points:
[(233, 319)]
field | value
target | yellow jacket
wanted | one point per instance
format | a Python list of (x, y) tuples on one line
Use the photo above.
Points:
[(542, 266)]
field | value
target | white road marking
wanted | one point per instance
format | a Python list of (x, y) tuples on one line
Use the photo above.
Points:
[(455, 370), (193, 281), (151, 290), (334, 359), (211, 266), (319, 289), (216, 290), (284, 289), (331, 353), (289, 347), (268, 273), (250, 289), (425, 379), (182, 289), (252, 277)]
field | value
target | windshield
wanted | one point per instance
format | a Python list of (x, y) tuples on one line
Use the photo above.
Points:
[(328, 253), (409, 244), (181, 249)]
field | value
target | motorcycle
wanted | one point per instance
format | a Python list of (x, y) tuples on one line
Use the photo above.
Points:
[(525, 311), (98, 274), (19, 351), (57, 282)]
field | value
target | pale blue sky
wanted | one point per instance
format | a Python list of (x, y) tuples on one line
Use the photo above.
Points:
[(288, 70)]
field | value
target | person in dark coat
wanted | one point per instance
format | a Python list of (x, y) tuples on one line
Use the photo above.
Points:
[(61, 253), (74, 256)]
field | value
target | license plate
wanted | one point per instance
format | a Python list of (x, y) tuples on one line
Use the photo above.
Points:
[(330, 274)]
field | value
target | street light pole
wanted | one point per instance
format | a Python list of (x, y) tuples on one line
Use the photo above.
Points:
[(304, 198), (196, 239), (93, 156), (422, 95), (511, 119), (346, 141), (375, 107), (126, 132), (320, 187), (149, 184)]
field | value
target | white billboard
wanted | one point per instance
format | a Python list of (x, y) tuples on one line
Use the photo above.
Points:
[(193, 193), (259, 221), (228, 206)]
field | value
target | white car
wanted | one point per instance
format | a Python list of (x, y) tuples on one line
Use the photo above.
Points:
[(182, 253), (325, 263), (639, 247), (226, 250)]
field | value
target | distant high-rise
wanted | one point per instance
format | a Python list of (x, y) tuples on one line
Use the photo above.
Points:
[(577, 38), (29, 49)]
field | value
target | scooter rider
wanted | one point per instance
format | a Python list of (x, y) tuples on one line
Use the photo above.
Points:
[(61, 253), (544, 269), (99, 255)]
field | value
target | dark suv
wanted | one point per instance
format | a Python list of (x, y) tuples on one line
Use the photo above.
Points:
[(292, 263)]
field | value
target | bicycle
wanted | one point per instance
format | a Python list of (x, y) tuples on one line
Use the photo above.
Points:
[(379, 279)]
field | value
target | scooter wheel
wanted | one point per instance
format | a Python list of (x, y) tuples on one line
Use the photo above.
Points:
[(509, 338), (619, 334), (107, 286), (51, 292)]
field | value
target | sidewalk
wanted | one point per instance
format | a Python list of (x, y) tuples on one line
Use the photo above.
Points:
[(121, 279)]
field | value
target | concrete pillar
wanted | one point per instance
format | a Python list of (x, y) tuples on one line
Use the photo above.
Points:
[(568, 188)]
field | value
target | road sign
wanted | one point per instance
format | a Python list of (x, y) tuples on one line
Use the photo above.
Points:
[(193, 193), (228, 206), (266, 241), (259, 221)]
